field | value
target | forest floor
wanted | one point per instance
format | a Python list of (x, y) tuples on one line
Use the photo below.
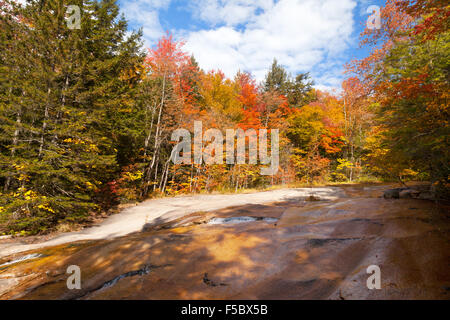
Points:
[(311, 243)]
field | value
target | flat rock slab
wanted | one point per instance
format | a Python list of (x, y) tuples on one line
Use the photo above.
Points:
[(159, 211), (317, 250)]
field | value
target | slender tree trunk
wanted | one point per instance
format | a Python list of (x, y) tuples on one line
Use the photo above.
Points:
[(197, 178), (15, 140), (44, 124), (157, 136), (192, 177), (63, 103), (237, 180), (147, 140), (352, 160), (158, 126), (165, 176), (156, 176)]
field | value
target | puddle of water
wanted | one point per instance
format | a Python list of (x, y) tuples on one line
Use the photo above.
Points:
[(145, 270), (27, 257), (141, 272), (234, 220)]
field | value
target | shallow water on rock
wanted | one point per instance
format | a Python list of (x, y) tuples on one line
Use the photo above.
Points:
[(21, 259), (233, 220)]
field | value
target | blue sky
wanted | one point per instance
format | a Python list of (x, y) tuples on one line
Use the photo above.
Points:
[(316, 36)]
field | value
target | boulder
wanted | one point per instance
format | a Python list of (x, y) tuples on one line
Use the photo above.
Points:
[(312, 198), (409, 194), (393, 193), (426, 196)]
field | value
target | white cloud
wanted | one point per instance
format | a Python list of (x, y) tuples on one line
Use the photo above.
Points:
[(301, 34), (145, 14), (229, 12)]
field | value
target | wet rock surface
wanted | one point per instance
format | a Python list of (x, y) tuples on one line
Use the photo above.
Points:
[(294, 249), (232, 220)]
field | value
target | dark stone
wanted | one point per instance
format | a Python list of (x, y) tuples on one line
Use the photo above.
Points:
[(426, 196), (312, 198), (409, 194), (211, 283), (393, 193)]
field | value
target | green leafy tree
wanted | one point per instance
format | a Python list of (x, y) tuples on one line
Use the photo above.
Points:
[(64, 89)]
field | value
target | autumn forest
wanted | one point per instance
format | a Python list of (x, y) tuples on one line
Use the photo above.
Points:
[(87, 115)]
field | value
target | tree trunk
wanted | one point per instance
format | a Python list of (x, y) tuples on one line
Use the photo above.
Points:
[(44, 124), (13, 149), (147, 140), (63, 103), (157, 135)]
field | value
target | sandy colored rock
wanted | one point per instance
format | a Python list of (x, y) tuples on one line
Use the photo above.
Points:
[(316, 250)]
